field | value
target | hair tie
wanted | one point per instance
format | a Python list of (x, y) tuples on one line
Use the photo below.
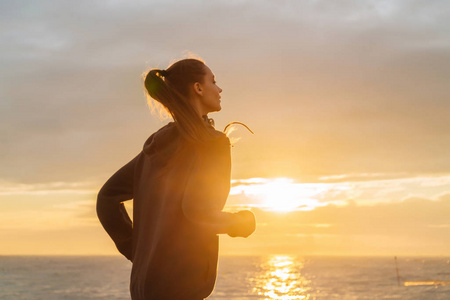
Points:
[(162, 73)]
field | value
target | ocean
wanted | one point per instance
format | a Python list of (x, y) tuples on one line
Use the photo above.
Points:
[(239, 277)]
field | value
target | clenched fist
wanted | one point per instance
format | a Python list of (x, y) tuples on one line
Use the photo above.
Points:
[(244, 224)]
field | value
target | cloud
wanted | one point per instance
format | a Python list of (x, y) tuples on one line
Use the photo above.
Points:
[(332, 87), (270, 193), (10, 188), (412, 226)]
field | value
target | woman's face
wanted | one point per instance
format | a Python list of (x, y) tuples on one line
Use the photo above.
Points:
[(210, 94)]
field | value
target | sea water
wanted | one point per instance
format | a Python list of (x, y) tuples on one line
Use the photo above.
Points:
[(239, 277)]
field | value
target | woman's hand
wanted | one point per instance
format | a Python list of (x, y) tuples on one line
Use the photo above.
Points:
[(244, 224)]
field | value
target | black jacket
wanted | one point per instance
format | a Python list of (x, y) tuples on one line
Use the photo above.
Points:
[(179, 191)]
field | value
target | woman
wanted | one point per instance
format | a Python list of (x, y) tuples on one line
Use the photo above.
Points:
[(179, 183)]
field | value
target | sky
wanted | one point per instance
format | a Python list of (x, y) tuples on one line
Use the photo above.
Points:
[(349, 102)]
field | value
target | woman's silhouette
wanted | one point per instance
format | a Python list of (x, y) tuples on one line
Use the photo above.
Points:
[(179, 183)]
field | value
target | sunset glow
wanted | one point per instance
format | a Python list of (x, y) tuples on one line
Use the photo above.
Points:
[(348, 102), (282, 194)]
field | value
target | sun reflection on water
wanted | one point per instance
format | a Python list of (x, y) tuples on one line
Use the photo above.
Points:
[(282, 279)]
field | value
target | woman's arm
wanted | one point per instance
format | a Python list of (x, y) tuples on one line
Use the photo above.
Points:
[(111, 211), (207, 191)]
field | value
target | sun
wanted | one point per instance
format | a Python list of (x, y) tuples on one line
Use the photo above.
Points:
[(283, 195), (280, 194)]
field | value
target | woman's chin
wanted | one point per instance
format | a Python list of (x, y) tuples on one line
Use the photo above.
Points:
[(215, 109)]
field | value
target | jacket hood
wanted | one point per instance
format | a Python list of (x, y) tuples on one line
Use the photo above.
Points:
[(164, 142)]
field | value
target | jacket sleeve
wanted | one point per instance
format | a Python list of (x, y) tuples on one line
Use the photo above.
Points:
[(111, 211), (207, 190)]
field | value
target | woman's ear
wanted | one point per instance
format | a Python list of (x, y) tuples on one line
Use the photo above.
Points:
[(198, 89)]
